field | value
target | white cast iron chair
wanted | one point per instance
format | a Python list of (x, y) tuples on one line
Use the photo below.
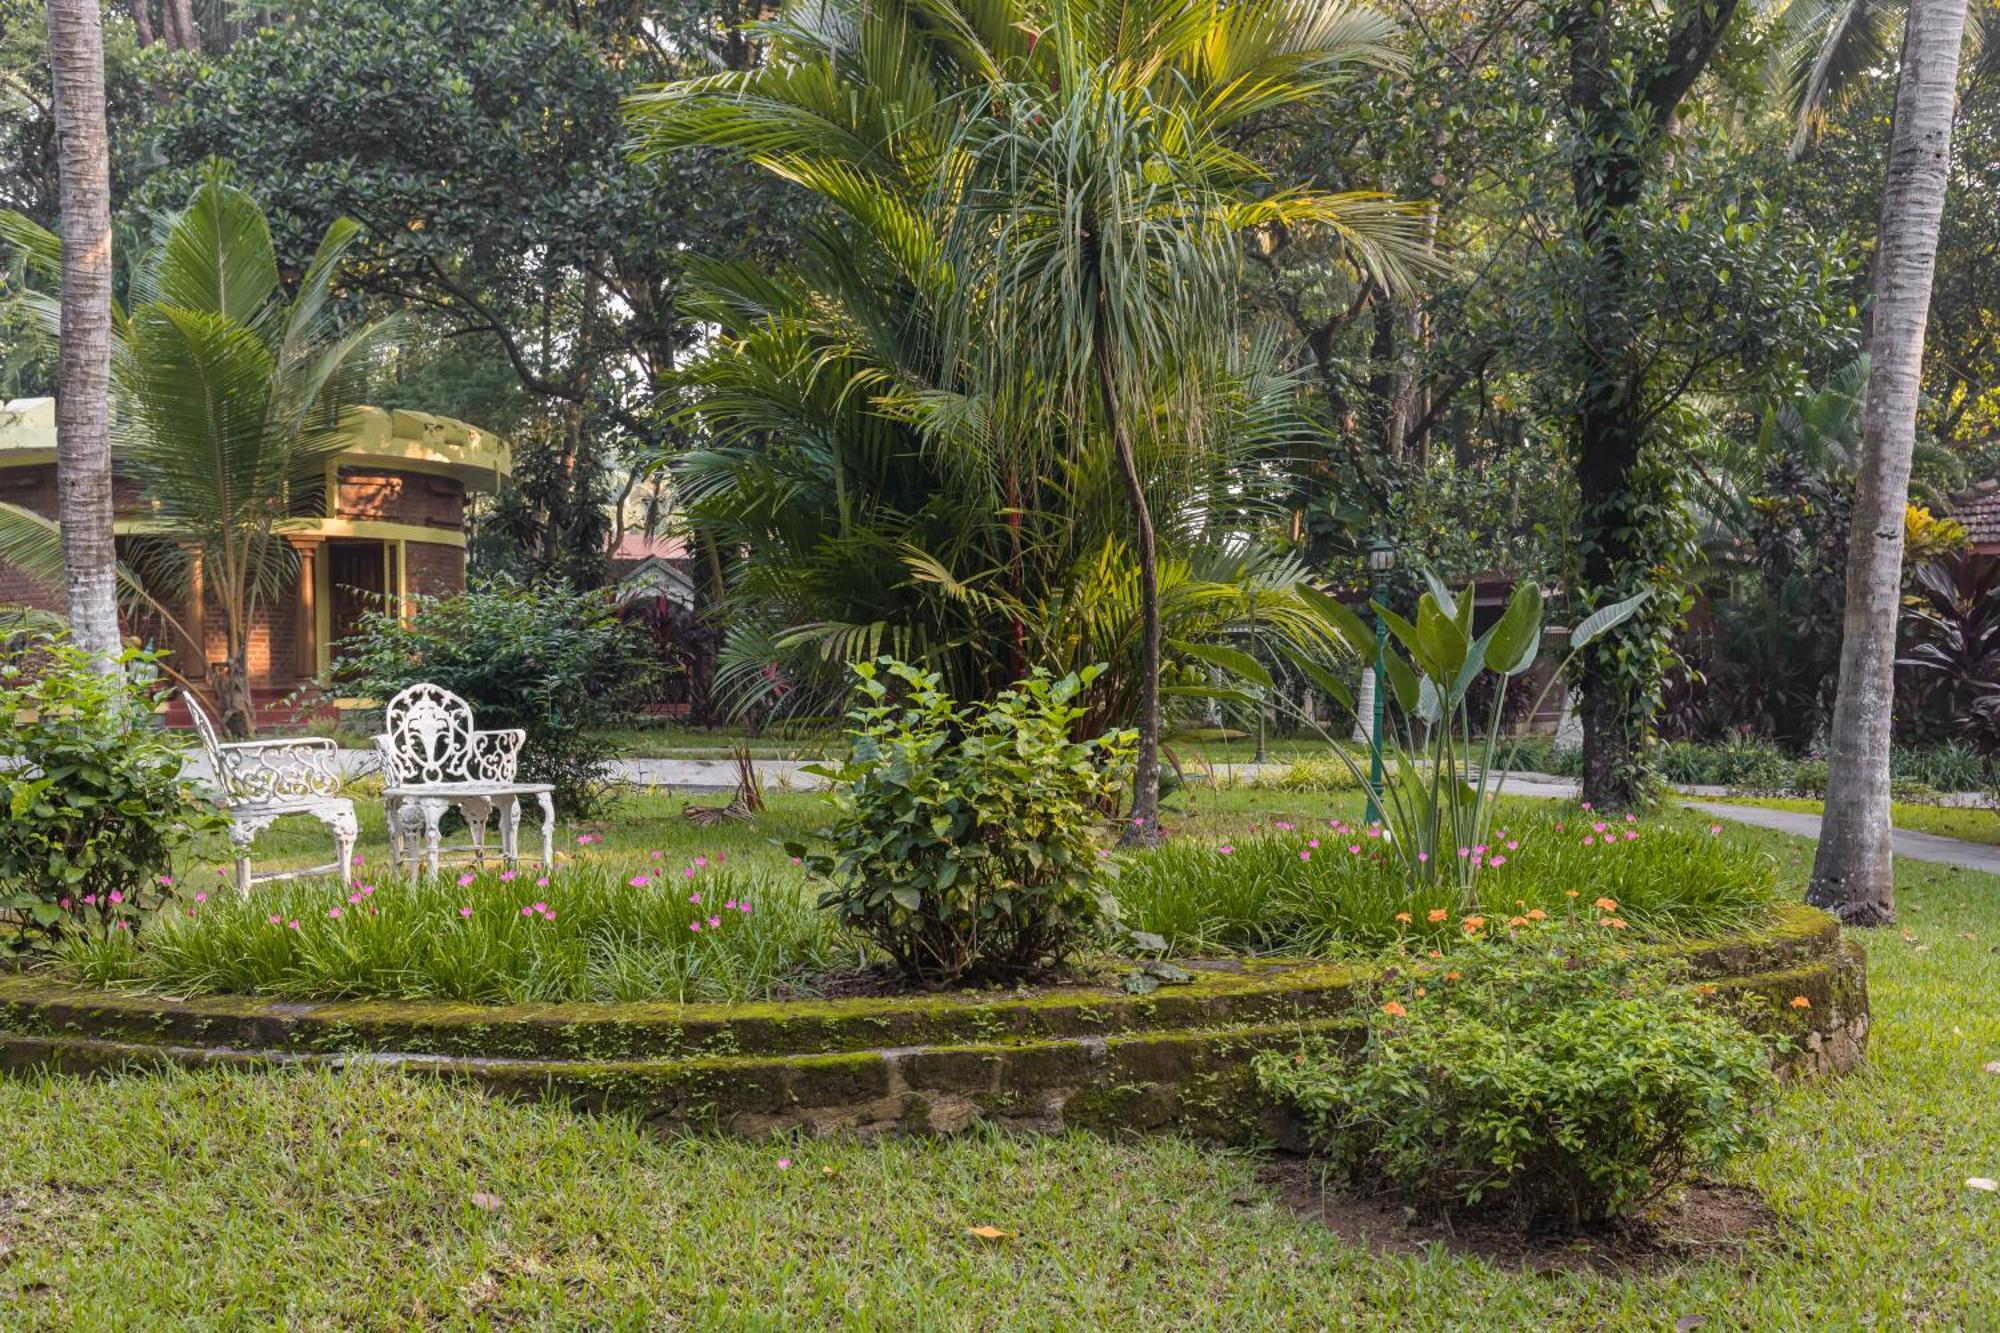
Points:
[(434, 760), (260, 782)]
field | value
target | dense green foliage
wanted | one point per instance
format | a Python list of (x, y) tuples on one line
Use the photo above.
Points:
[(1547, 1070), (92, 805), (1330, 887), (964, 841), (556, 663)]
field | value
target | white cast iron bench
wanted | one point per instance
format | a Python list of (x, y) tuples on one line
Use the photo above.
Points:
[(260, 782), (434, 760)]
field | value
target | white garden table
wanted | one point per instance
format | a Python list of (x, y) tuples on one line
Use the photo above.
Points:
[(260, 782), (434, 760)]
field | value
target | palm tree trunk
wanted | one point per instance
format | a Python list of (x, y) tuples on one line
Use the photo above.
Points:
[(1851, 872), (83, 404), (1145, 824)]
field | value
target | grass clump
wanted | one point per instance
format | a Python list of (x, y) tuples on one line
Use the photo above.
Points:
[(1329, 887), (589, 932)]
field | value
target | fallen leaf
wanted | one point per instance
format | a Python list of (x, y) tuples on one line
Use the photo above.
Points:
[(490, 1202), (1986, 1183), (1910, 936), (1687, 1323), (989, 1233), (1991, 1066)]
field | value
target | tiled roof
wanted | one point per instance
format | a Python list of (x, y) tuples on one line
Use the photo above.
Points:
[(1978, 507)]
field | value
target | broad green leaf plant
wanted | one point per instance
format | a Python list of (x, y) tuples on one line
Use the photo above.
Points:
[(1441, 780)]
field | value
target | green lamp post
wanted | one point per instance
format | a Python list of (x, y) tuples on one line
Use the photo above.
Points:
[(1381, 563)]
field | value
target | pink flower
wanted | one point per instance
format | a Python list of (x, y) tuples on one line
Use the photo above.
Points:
[(1586, 805), (506, 877), (1631, 819), (689, 872), (640, 881), (1513, 846), (701, 862), (714, 922), (785, 1163), (694, 925), (1305, 856), (292, 924), (694, 898), (1226, 850), (466, 879), (1314, 843), (360, 860), (1631, 835), (1422, 857), (1714, 829), (795, 861), (1464, 852), (166, 881), (745, 909), (116, 897), (543, 908), (542, 883), (465, 911), (367, 890), (1597, 827), (276, 921), (199, 897), (333, 912), (1498, 861), (653, 856), (527, 911), (1588, 840)]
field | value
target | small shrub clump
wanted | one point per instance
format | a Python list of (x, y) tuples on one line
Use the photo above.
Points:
[(964, 839), (558, 664), (92, 806), (1546, 1071)]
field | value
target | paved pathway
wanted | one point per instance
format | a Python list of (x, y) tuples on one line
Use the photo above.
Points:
[(1917, 846)]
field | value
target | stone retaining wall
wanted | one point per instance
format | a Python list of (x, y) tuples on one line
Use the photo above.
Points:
[(1072, 1057)]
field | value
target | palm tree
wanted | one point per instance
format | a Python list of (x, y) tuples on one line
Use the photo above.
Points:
[(1048, 212), (1824, 49), (1851, 870), (231, 398), (83, 443)]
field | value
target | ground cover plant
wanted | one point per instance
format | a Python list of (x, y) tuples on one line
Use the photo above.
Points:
[(647, 929), (1328, 885), (531, 1215), (1545, 1068)]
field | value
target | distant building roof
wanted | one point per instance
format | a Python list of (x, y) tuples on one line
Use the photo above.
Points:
[(637, 546), (1978, 507)]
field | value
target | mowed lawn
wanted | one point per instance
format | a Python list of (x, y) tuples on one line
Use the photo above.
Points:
[(378, 1200)]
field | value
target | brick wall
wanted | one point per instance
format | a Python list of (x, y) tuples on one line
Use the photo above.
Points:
[(401, 497), (435, 570)]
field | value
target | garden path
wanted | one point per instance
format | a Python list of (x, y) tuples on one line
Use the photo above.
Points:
[(1917, 846)]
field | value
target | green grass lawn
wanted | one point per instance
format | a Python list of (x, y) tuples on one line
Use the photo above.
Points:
[(1971, 823), (376, 1199)]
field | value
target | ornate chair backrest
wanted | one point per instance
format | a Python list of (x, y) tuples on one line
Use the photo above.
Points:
[(218, 762), (429, 737)]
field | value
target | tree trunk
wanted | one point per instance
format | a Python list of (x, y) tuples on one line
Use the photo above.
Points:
[(142, 21), (1851, 871), (177, 17), (1145, 825), (83, 394)]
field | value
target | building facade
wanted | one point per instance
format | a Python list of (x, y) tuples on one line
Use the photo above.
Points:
[(395, 529)]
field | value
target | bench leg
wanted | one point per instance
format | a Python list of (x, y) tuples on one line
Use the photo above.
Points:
[(392, 814), (345, 831), (476, 813), (433, 814), (548, 805), (510, 830)]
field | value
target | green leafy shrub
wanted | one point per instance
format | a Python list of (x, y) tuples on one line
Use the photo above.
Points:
[(1313, 775), (963, 842), (1952, 766), (1547, 1072), (91, 792), (556, 663), (1758, 765)]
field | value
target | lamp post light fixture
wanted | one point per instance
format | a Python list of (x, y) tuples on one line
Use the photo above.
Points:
[(1381, 563)]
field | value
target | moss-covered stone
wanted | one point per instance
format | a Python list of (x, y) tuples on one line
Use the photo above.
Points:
[(1178, 1060)]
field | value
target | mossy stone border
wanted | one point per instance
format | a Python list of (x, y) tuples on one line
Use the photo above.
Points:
[(1090, 1057)]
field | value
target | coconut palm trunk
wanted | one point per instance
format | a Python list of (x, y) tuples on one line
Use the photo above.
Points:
[(1851, 872), (83, 394)]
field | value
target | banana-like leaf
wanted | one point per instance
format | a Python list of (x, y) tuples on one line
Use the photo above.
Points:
[(1319, 675), (1444, 642), (1516, 638), (1402, 680), (1233, 660), (1345, 624), (1606, 618)]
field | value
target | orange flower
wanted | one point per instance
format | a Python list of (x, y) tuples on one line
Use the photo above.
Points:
[(1394, 1010), (1438, 914), (1570, 892), (1451, 976), (1801, 1002), (1614, 922), (1606, 904), (1517, 922), (1537, 914), (1403, 917), (1473, 923), (1704, 990), (1421, 992), (1435, 954)]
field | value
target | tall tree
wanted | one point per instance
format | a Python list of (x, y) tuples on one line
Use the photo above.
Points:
[(83, 397), (1628, 74), (1852, 873)]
